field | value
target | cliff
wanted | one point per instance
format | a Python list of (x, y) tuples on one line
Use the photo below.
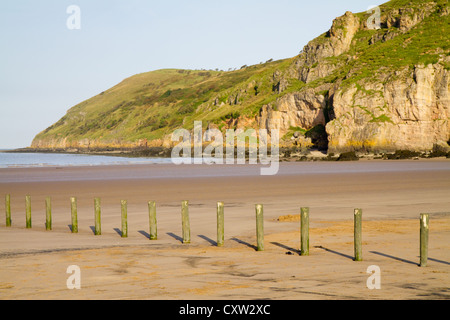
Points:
[(353, 88)]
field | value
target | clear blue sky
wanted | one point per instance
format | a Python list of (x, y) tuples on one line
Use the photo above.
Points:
[(45, 68)]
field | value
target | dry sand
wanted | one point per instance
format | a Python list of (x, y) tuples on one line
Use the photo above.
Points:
[(392, 194)]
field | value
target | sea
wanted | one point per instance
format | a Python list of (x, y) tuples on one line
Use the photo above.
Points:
[(26, 160)]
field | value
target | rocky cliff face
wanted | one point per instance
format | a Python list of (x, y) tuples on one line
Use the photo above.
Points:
[(409, 112)]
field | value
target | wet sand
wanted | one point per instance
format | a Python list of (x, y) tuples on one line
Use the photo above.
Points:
[(392, 194)]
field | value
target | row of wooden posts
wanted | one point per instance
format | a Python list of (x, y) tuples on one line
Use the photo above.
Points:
[(186, 234)]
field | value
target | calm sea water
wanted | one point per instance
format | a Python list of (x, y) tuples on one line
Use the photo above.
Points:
[(10, 160)]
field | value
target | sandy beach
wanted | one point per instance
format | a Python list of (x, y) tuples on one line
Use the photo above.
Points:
[(392, 195)]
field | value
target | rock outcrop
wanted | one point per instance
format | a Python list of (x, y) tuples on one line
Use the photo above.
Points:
[(336, 41), (311, 63), (300, 109)]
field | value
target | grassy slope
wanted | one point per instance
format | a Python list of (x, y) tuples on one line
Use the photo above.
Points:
[(151, 105)]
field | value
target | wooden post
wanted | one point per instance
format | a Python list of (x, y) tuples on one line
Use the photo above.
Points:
[(28, 211), (358, 234), (98, 217), (8, 210), (220, 224), (259, 227), (152, 220), (186, 229), (304, 231), (124, 204), (74, 214), (48, 213), (424, 227)]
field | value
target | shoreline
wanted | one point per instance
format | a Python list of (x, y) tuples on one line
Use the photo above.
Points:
[(285, 154)]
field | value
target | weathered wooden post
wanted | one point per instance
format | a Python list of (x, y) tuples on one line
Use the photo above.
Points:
[(186, 229), (304, 231), (259, 227), (152, 220), (358, 234), (220, 224), (124, 204), (48, 213), (28, 211), (8, 210), (98, 217), (424, 227), (74, 214)]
